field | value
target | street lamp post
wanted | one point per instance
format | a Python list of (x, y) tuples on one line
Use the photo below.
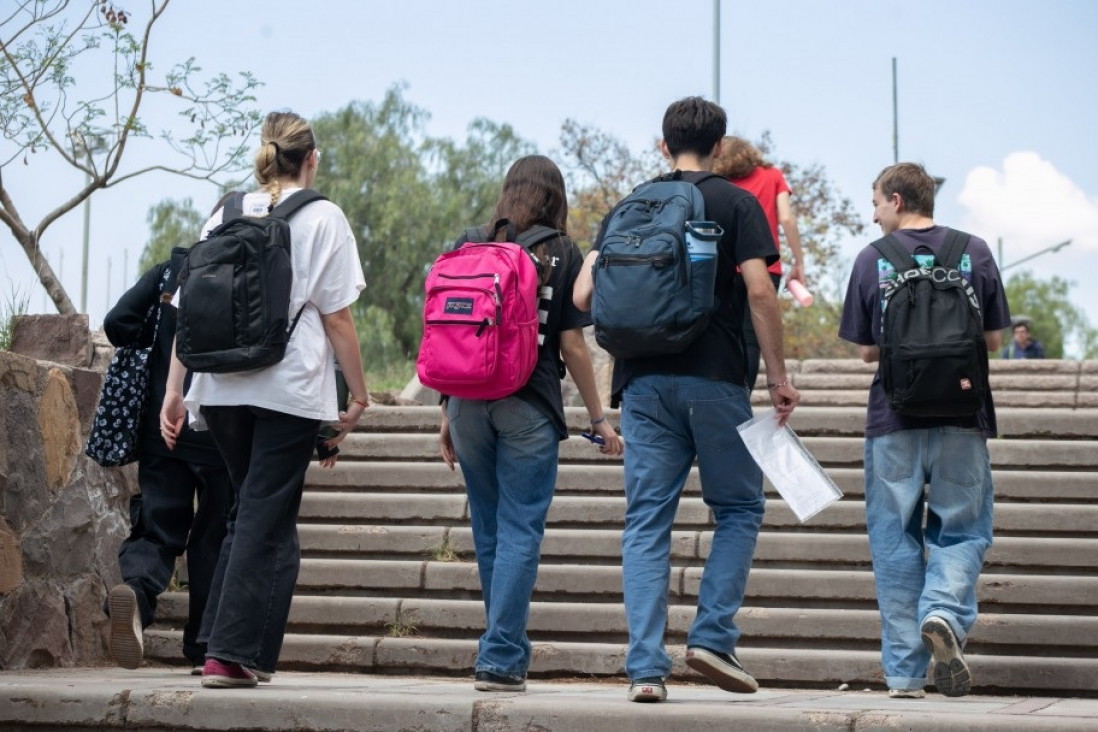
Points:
[(1046, 250), (717, 51)]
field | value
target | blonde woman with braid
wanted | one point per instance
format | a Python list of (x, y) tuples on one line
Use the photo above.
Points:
[(265, 422)]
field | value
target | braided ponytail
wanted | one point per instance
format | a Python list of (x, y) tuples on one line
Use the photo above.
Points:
[(287, 141)]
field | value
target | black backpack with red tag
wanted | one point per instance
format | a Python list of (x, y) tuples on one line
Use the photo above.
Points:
[(933, 355)]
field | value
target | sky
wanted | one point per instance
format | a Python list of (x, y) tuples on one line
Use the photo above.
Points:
[(995, 96)]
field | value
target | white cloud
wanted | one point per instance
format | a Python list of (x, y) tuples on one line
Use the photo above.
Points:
[(1031, 205)]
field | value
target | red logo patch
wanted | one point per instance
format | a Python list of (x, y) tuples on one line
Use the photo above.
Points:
[(965, 384)]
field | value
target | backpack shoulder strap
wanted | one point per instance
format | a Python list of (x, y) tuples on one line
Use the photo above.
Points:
[(955, 244), (232, 206), (285, 209), (891, 250), (536, 235)]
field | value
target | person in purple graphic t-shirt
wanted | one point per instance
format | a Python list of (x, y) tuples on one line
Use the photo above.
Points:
[(925, 575)]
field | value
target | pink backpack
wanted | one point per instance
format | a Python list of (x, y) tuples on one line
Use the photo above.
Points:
[(480, 320)]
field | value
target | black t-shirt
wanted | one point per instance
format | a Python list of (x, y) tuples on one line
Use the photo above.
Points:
[(718, 353), (126, 325)]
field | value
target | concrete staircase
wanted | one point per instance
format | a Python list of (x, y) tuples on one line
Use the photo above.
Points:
[(388, 583)]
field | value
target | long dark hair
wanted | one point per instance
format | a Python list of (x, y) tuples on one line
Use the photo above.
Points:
[(533, 193)]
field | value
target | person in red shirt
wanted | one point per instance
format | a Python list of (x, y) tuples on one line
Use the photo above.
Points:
[(743, 164)]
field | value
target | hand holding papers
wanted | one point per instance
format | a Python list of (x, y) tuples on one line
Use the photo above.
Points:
[(788, 465)]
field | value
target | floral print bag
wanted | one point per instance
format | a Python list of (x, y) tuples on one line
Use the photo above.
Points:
[(116, 429)]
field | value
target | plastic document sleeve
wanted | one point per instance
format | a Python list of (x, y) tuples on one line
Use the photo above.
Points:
[(789, 466)]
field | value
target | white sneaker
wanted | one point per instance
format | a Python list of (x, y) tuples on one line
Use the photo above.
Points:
[(126, 643), (906, 694)]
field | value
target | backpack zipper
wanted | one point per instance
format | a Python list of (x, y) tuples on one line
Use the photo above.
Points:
[(656, 260)]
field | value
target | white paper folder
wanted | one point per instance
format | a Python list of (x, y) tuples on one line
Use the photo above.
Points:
[(789, 465)]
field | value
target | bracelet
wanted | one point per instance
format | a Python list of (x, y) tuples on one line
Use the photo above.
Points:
[(778, 385), (364, 405), (600, 420)]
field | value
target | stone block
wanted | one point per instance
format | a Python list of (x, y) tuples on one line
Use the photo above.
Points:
[(344, 573), (63, 339), (18, 372), (59, 424), (63, 541), (90, 626), (34, 627), (11, 559), (86, 386), (416, 654), (26, 494)]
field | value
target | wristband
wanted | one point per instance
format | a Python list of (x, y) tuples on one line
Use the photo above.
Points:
[(364, 405), (600, 420), (778, 385)]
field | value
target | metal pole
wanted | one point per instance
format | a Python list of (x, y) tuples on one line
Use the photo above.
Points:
[(895, 117), (717, 51), (1000, 254)]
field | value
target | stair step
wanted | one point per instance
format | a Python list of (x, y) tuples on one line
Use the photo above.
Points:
[(1037, 635), (1058, 555), (599, 510), (403, 477), (771, 666), (831, 451)]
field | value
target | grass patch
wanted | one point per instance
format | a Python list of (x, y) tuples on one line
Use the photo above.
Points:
[(389, 377), (15, 304), (403, 626), (445, 552)]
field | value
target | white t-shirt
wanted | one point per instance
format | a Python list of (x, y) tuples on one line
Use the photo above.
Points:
[(327, 277)]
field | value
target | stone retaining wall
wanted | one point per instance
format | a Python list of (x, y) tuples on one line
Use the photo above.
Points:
[(62, 516)]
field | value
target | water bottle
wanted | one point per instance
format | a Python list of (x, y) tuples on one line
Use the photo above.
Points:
[(800, 292), (702, 238)]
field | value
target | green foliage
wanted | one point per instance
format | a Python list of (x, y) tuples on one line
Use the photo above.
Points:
[(171, 224), (406, 196), (1051, 316), (16, 304)]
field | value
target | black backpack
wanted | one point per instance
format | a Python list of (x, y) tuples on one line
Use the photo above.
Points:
[(933, 354), (234, 290), (651, 296)]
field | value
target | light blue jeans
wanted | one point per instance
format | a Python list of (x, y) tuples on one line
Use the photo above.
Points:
[(932, 571), (667, 420), (508, 455)]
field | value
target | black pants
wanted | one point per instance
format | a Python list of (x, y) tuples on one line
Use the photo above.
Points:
[(750, 340), (267, 454), (163, 523)]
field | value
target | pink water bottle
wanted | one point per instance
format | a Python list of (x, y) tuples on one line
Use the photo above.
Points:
[(800, 292)]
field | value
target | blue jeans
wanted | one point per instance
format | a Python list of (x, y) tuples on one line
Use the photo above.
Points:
[(932, 571), (508, 455), (267, 454), (667, 420)]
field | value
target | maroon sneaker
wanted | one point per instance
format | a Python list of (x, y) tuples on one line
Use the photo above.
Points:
[(224, 675)]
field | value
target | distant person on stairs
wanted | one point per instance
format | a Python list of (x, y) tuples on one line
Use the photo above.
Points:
[(508, 447), (925, 575), (1022, 346)]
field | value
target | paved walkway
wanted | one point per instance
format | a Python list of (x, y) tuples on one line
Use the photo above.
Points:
[(153, 698)]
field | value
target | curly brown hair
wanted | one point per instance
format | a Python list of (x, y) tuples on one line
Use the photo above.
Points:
[(738, 158)]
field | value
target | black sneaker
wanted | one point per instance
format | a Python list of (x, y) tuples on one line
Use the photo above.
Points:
[(949, 669), (648, 689), (723, 669), (488, 681)]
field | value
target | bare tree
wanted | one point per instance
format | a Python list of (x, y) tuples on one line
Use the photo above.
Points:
[(44, 110)]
